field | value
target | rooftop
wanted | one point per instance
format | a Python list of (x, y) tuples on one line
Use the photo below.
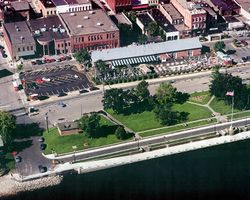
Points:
[(225, 4), (66, 126), (191, 6), (20, 5), (19, 33), (88, 22), (146, 50), (47, 29), (245, 4), (69, 2), (144, 18), (47, 3), (122, 19), (172, 11)]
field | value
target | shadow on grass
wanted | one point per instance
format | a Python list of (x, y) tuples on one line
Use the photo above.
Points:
[(138, 108), (27, 130), (105, 130)]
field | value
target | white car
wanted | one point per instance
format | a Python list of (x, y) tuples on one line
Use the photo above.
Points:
[(46, 79), (76, 76)]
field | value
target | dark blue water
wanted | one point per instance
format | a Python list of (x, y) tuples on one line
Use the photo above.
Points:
[(221, 172)]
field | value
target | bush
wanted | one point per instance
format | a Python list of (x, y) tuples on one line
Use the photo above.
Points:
[(121, 133)]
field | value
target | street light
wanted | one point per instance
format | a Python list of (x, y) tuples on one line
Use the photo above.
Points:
[(46, 121)]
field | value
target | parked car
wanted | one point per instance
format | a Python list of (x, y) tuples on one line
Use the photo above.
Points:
[(68, 58), (41, 139), (245, 59), (244, 42), (83, 91), (42, 146), (46, 79), (39, 81), (39, 62), (42, 169), (18, 159), (62, 104), (62, 94), (93, 88), (33, 62)]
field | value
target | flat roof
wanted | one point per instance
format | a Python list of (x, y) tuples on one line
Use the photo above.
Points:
[(48, 3), (59, 2), (146, 50), (245, 4), (66, 126), (88, 22), (20, 5), (122, 19), (144, 18), (225, 4), (19, 32), (48, 28), (70, 2), (172, 11)]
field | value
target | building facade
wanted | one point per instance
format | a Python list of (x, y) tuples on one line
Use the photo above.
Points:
[(120, 5), (91, 30), (19, 40)]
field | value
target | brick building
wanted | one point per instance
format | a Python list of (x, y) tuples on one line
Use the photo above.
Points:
[(120, 5), (194, 15), (46, 7), (226, 7), (19, 39), (91, 30), (171, 13), (50, 35)]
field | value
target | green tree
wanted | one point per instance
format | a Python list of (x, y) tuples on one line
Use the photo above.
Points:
[(90, 124), (166, 94), (121, 133), (132, 16), (142, 38), (152, 28), (221, 83), (101, 66), (82, 56), (19, 67), (218, 46), (141, 91), (7, 126)]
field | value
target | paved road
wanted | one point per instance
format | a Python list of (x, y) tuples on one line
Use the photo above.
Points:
[(155, 140)]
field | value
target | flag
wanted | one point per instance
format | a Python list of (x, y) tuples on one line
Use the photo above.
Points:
[(230, 93)]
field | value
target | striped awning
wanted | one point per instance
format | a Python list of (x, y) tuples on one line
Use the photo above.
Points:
[(132, 61)]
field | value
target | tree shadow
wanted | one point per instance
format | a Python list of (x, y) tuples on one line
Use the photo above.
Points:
[(27, 130), (20, 146), (138, 108), (104, 131)]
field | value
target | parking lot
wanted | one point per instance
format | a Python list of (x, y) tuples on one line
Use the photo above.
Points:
[(54, 81)]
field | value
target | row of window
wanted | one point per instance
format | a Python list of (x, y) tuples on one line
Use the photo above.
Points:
[(52, 12), (62, 44), (197, 26), (178, 21), (79, 8), (199, 19), (25, 49)]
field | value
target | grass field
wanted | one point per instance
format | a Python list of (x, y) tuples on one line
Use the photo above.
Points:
[(146, 120), (177, 128), (220, 107), (63, 144), (200, 97)]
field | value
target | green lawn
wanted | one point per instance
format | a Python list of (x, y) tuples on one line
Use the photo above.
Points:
[(177, 128), (220, 107), (200, 97), (240, 115), (63, 144), (146, 120)]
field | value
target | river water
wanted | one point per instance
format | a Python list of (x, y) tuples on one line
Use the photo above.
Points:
[(221, 172)]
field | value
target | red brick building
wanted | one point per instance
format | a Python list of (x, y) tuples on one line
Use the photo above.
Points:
[(91, 30), (120, 5)]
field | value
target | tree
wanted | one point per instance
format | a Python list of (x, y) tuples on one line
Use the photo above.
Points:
[(101, 66), (152, 28), (114, 99), (89, 124), (218, 46), (7, 126), (166, 94), (141, 91), (142, 39), (121, 133), (19, 67), (221, 83), (132, 15), (82, 56)]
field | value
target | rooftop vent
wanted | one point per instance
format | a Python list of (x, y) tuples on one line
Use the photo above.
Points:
[(99, 24), (91, 12), (43, 29), (55, 29), (44, 25), (37, 32), (72, 14), (17, 29), (22, 38), (86, 17), (79, 26), (62, 30)]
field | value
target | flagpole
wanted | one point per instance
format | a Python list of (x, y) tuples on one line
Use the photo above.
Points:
[(232, 110)]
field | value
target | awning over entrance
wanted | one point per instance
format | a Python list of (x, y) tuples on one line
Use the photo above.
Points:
[(132, 61)]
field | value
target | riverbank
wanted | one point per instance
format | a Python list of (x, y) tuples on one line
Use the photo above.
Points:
[(9, 186)]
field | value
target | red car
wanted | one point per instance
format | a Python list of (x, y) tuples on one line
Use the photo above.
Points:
[(39, 81), (243, 42)]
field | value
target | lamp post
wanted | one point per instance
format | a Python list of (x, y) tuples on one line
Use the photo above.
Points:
[(74, 155), (46, 121)]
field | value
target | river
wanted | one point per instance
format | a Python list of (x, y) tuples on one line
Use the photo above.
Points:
[(220, 172)]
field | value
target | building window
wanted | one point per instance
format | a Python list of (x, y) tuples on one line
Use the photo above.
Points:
[(54, 11), (31, 48), (69, 44), (23, 48), (18, 49), (82, 39), (69, 9), (47, 12), (28, 48)]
